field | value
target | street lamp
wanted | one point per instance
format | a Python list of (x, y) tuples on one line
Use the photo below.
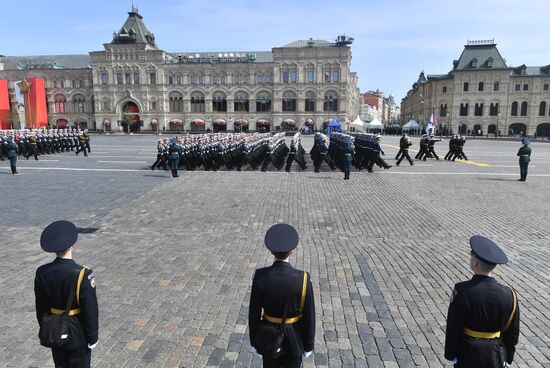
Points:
[(497, 131)]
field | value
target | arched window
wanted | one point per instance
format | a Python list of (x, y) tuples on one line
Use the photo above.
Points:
[(443, 110), (542, 108), (478, 111), (179, 80), (493, 110), (330, 102), (444, 89), (463, 109), (78, 103), (263, 102), (197, 102), (514, 111), (175, 102), (60, 104), (289, 101), (241, 102), (219, 102), (466, 86), (310, 102), (524, 108)]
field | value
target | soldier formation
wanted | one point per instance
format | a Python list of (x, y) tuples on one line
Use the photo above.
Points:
[(41, 141), (456, 148)]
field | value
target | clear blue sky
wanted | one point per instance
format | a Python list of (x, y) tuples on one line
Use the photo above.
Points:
[(394, 40)]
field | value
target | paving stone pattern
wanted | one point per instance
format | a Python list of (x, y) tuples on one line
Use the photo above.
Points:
[(174, 259)]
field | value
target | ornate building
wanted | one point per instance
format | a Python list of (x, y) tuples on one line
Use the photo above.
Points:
[(134, 85), (482, 95)]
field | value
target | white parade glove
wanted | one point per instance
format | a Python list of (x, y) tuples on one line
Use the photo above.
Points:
[(254, 352), (453, 362), (92, 345), (306, 354), (506, 365)]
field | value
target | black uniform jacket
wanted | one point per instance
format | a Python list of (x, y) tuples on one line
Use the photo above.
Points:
[(272, 287), (52, 285), (481, 304)]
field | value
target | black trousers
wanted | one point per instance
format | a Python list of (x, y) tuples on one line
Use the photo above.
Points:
[(77, 358), (404, 154), (283, 362)]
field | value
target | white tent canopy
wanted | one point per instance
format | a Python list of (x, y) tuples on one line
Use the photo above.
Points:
[(375, 123), (412, 124), (358, 124)]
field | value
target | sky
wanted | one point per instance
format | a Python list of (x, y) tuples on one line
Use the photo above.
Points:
[(394, 39)]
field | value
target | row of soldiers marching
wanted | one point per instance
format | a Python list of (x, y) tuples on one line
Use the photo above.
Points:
[(42, 141), (427, 148)]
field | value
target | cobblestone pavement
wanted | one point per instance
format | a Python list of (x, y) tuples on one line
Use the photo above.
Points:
[(174, 259)]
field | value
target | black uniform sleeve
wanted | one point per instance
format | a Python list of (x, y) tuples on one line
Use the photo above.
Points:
[(308, 318), (510, 337), (455, 326), (254, 311), (88, 307), (41, 300)]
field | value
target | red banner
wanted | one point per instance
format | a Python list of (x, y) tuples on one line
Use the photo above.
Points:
[(36, 111), (4, 105)]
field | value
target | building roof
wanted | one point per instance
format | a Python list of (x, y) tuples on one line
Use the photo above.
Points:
[(439, 76), (218, 56), (524, 70), (310, 43), (134, 31), (46, 62), (480, 55)]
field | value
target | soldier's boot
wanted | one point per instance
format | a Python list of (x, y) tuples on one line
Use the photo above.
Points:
[(13, 170)]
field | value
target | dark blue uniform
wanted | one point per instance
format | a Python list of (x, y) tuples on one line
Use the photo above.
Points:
[(524, 154), (347, 159), (52, 286), (272, 288), (12, 150), (174, 153)]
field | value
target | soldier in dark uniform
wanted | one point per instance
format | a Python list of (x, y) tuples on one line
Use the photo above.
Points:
[(52, 288), (524, 154), (174, 153), (348, 151), (282, 297), (161, 149), (12, 149), (87, 140), (483, 317), (32, 149), (82, 144), (404, 144)]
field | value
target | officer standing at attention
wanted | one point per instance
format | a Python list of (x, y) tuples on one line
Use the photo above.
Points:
[(52, 287), (483, 317), (348, 151), (524, 154), (282, 297), (12, 150), (174, 153)]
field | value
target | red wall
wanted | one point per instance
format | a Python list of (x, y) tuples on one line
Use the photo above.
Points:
[(36, 111), (4, 105)]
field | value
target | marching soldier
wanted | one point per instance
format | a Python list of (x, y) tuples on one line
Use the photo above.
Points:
[(404, 144), (161, 149), (64, 283), (32, 149), (431, 147), (483, 317), (82, 144), (87, 140), (524, 154), (282, 301)]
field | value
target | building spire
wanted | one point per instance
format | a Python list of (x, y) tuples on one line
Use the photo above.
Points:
[(134, 8)]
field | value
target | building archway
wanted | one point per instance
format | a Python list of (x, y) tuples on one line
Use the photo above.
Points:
[(518, 129), (543, 130), (462, 129), (492, 129), (477, 130), (130, 117)]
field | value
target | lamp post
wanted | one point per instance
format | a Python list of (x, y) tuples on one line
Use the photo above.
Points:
[(497, 131)]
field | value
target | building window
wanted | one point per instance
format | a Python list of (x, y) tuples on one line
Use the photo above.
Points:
[(153, 78), (54, 84), (259, 79), (175, 103), (236, 79), (179, 80), (222, 79), (517, 87), (310, 76), (244, 79), (478, 110), (526, 87), (241, 103), (285, 77), (219, 103), (524, 109), (443, 110), (119, 78), (127, 78), (171, 81), (136, 78), (78, 103), (335, 76), (493, 109), (62, 84), (81, 83), (194, 79), (153, 105), (445, 89), (464, 109), (514, 111), (496, 86), (73, 83), (542, 108), (327, 76), (60, 104), (293, 76), (197, 103), (310, 102), (330, 102), (263, 103), (480, 87), (214, 79), (268, 78), (289, 102), (545, 87), (466, 85), (104, 78)]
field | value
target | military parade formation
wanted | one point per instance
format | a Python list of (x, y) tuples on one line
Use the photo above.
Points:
[(38, 142)]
